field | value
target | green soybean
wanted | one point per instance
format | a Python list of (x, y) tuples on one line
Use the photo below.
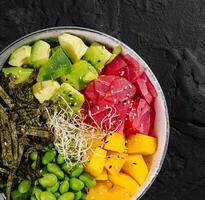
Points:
[(47, 196), (76, 184), (48, 180), (36, 192), (66, 167), (78, 195), (67, 196), (60, 159), (87, 179), (83, 196), (55, 169), (48, 157), (34, 155), (77, 170), (57, 194), (24, 186), (53, 188), (64, 187)]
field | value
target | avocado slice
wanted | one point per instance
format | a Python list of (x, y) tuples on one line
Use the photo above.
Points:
[(57, 66), (20, 56), (67, 95), (116, 51), (45, 90), (73, 46), (40, 53), (20, 74), (81, 73), (97, 55)]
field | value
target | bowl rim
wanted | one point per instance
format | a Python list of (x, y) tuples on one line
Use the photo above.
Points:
[(142, 61)]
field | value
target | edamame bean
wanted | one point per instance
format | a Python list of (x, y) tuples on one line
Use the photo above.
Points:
[(36, 192), (87, 179), (24, 186), (60, 159), (83, 196), (54, 188), (66, 167), (76, 184), (34, 155), (78, 195), (64, 187), (67, 196), (47, 196), (57, 194), (48, 180), (53, 168), (48, 157), (77, 170)]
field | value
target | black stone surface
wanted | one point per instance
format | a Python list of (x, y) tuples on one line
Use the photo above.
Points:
[(170, 36)]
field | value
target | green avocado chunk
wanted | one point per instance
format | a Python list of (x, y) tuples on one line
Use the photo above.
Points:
[(81, 73), (45, 90), (20, 74), (67, 95), (40, 53), (20, 56), (97, 55), (73, 46), (57, 66)]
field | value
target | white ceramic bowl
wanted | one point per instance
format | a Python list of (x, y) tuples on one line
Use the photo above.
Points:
[(161, 125)]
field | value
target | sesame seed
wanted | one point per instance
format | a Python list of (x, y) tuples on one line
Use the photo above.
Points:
[(98, 108), (141, 125), (75, 103), (80, 77), (125, 87), (134, 163), (115, 100), (112, 91), (133, 117), (128, 95), (130, 86), (110, 166), (135, 114), (122, 73)]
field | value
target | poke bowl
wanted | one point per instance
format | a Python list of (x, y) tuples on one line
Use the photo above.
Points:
[(82, 117)]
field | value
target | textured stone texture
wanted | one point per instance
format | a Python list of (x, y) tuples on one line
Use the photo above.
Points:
[(170, 36)]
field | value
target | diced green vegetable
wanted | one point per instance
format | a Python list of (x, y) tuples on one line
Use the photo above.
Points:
[(73, 46), (20, 74), (57, 66), (116, 51), (81, 73), (20, 56), (40, 53), (97, 55)]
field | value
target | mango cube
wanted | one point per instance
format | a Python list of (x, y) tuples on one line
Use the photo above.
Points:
[(118, 193), (136, 167), (141, 144), (125, 181), (114, 162), (103, 176), (115, 142), (96, 162)]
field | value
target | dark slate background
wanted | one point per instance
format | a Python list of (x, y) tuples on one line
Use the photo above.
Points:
[(170, 36)]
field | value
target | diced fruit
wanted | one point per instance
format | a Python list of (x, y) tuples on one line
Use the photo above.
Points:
[(73, 46), (116, 51), (67, 95), (81, 73), (96, 162), (118, 193), (148, 161), (136, 167), (57, 66), (114, 162), (103, 176), (20, 74), (45, 90), (40, 53), (20, 56), (99, 192), (124, 181), (97, 55), (115, 142), (141, 144), (140, 118)]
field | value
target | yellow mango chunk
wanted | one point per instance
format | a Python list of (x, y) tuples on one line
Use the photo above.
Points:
[(100, 191), (141, 144), (136, 167), (148, 161), (103, 176), (125, 181), (118, 193), (115, 142), (96, 162), (114, 162)]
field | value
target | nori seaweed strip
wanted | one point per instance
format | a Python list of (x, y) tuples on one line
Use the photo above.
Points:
[(14, 141), (6, 98)]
